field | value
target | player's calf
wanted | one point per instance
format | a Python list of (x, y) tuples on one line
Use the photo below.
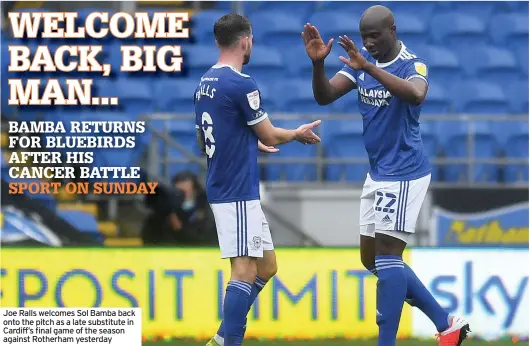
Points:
[(266, 269), (391, 286), (237, 298)]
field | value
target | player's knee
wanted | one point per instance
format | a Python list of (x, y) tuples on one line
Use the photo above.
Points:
[(244, 269), (367, 259), (266, 272)]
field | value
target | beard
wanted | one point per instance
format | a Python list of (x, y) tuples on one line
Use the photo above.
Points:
[(246, 58)]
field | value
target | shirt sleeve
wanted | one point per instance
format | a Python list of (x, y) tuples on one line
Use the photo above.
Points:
[(417, 69), (350, 73), (248, 99)]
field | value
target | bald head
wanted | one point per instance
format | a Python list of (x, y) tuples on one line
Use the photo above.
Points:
[(378, 32), (376, 17)]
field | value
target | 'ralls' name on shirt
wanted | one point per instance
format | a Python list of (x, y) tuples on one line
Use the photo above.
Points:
[(375, 97), (205, 90)]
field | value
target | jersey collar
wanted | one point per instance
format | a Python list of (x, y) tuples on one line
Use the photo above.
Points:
[(225, 65), (386, 64)]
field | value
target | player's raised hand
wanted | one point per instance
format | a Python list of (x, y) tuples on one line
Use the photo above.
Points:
[(305, 134), (314, 45), (356, 60), (267, 149)]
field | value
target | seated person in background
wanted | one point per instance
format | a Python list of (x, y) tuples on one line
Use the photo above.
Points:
[(180, 214)]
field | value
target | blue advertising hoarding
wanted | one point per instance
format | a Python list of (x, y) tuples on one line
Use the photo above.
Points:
[(507, 226)]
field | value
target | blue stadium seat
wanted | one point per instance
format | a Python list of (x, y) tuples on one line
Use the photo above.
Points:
[(199, 59), (302, 9), (265, 64), (430, 143), (298, 64), (347, 104), (134, 97), (337, 23), (296, 96), (423, 9), (176, 96), (346, 142), (491, 64), (292, 170), (201, 26), (357, 7), (521, 53), (412, 30), (515, 146), (276, 28), (437, 101), (184, 133), (267, 98), (443, 63), (517, 94), (84, 222), (482, 10), (457, 30), (510, 29), (455, 136), (478, 97)]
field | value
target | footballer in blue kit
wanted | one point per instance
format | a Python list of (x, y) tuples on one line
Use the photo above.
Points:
[(232, 127), (391, 82)]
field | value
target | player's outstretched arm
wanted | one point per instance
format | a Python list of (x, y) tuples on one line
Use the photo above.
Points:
[(325, 91), (270, 135), (413, 91)]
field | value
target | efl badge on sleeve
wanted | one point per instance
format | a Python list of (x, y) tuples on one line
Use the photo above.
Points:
[(421, 68), (253, 100)]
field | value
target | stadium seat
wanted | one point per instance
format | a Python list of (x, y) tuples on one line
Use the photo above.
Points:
[(477, 97), (292, 170), (134, 97), (521, 53), (430, 143), (411, 28), (437, 102), (443, 64), (423, 9), (517, 95), (491, 64), (265, 64), (185, 134), (483, 10), (456, 142), (201, 26), (268, 103), (299, 8), (332, 24), (296, 96), (84, 222), (457, 30), (277, 28), (347, 104), (509, 29), (346, 143), (176, 96), (515, 146), (357, 7), (298, 64), (199, 59)]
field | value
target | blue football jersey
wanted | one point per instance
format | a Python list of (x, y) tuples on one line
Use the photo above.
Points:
[(227, 103), (391, 127)]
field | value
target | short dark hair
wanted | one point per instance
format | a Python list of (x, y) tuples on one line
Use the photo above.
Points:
[(230, 27)]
